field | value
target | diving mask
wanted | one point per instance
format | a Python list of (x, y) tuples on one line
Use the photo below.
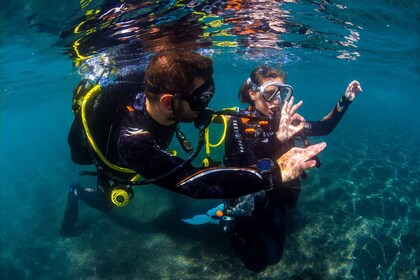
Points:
[(270, 90), (200, 97)]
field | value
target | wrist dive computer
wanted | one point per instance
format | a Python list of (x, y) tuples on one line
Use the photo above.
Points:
[(266, 167)]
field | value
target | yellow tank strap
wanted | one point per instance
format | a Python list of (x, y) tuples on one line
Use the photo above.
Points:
[(94, 91)]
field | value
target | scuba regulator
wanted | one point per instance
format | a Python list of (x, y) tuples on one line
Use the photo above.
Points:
[(121, 194)]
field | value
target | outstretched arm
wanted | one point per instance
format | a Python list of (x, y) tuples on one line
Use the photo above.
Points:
[(232, 182), (141, 154), (329, 122)]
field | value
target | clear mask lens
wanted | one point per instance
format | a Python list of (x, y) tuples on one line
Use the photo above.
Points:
[(279, 90), (286, 93)]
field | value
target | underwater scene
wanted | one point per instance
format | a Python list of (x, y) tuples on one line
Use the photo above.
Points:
[(358, 214)]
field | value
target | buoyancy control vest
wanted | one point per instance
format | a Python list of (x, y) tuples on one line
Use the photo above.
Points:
[(99, 109)]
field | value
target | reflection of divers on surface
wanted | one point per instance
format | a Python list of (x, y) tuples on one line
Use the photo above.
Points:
[(134, 32)]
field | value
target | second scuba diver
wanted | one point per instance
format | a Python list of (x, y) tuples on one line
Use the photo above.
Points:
[(255, 223)]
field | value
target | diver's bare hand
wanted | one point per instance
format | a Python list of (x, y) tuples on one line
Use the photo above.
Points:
[(296, 160), (288, 114), (352, 90)]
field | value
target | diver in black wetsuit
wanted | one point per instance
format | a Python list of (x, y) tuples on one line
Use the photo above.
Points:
[(178, 88), (255, 223)]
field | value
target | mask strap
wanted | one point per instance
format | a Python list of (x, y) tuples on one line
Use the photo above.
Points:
[(173, 107), (248, 81), (251, 84)]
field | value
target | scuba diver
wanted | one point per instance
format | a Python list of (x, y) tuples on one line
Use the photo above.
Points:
[(130, 140), (255, 223)]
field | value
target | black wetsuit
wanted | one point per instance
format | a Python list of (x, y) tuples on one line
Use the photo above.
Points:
[(257, 227)]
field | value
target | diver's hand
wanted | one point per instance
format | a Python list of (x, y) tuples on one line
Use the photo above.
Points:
[(296, 160), (288, 114), (352, 90)]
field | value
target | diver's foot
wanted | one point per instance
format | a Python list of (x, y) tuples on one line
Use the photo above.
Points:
[(71, 212)]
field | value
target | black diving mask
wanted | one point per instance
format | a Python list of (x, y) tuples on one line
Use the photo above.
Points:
[(200, 97), (271, 90)]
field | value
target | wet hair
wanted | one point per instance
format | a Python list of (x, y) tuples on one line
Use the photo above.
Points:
[(258, 75), (175, 71)]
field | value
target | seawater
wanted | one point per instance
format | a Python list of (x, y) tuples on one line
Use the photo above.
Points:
[(357, 216)]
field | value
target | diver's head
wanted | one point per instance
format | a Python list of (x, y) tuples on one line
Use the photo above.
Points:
[(265, 90), (180, 84)]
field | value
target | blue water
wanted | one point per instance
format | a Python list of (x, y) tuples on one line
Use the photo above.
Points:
[(357, 217)]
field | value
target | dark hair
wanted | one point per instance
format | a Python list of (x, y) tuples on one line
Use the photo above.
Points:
[(258, 75), (175, 70)]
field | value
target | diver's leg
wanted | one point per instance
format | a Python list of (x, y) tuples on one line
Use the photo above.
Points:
[(248, 244), (273, 226), (101, 198), (275, 236)]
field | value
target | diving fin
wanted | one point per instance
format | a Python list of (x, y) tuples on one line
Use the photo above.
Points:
[(71, 212), (210, 217)]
